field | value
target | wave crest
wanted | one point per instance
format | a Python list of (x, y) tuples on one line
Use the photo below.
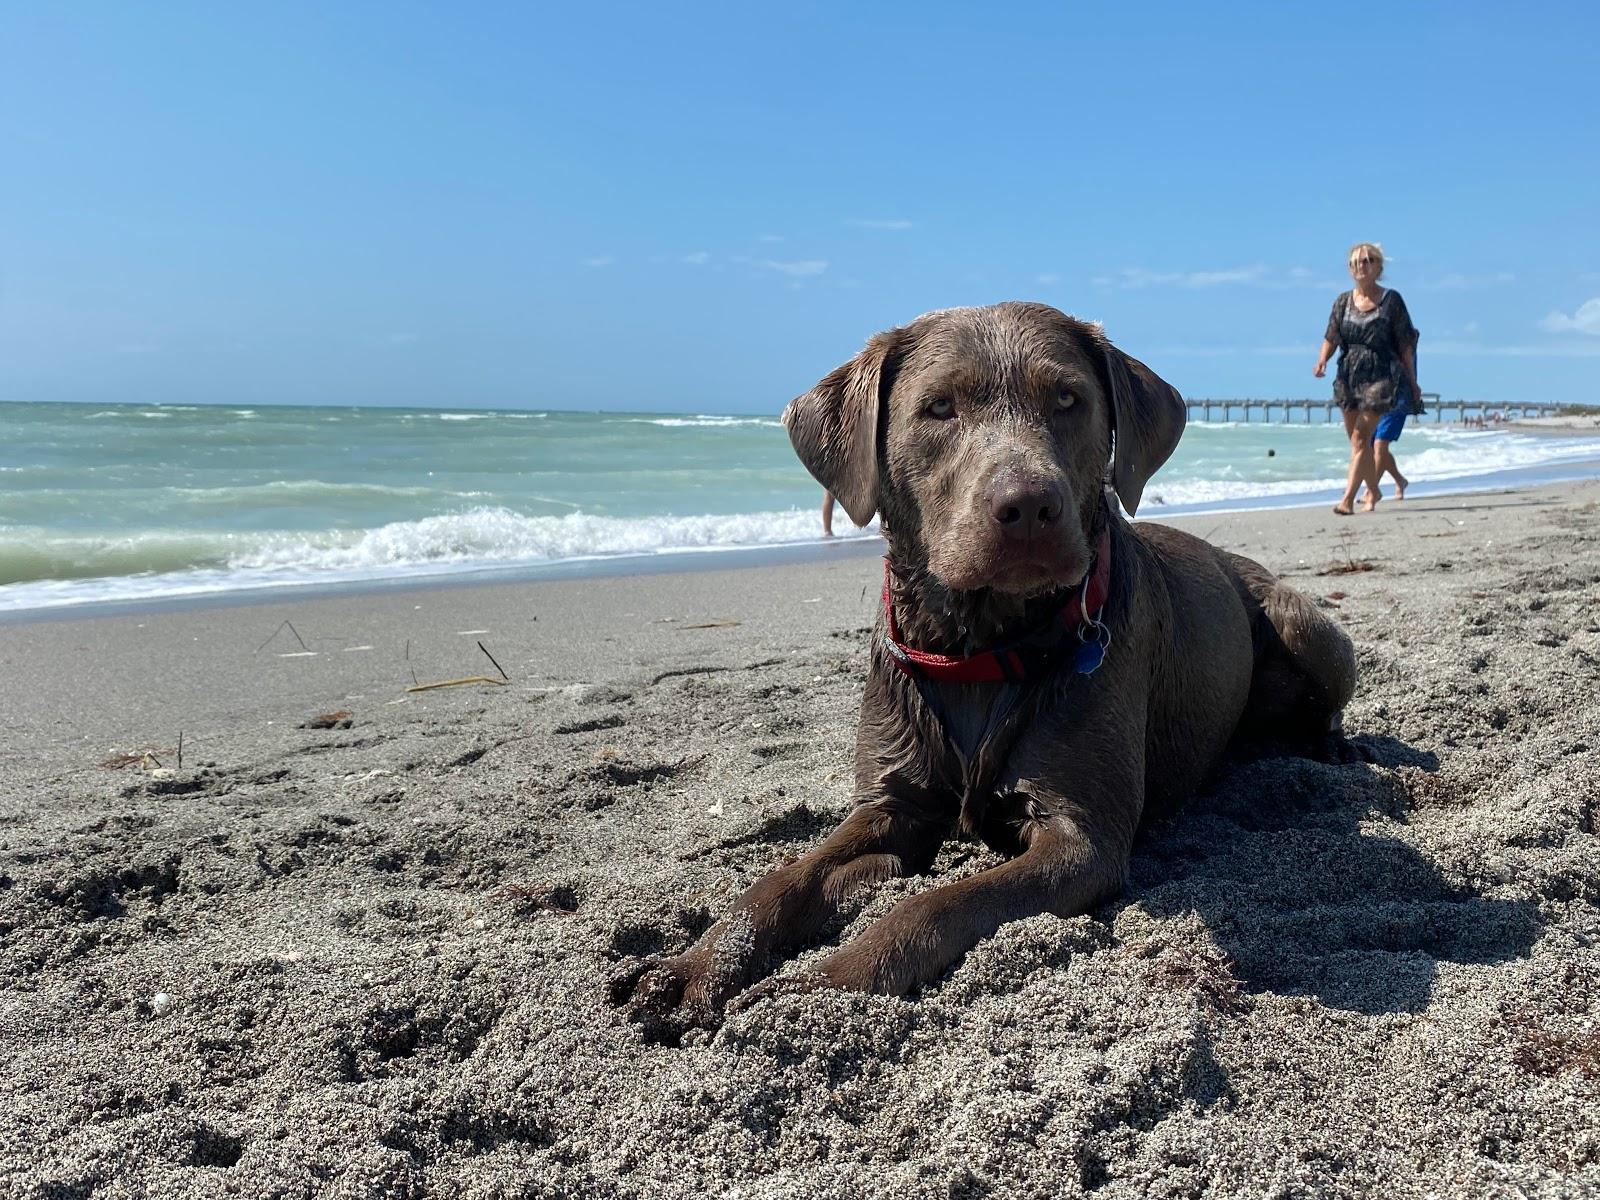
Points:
[(40, 569)]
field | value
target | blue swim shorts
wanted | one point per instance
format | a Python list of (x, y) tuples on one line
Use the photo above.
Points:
[(1391, 424)]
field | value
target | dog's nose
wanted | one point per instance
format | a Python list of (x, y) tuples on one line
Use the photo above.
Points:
[(1023, 508)]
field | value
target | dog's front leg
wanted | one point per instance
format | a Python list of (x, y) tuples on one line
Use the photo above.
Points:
[(878, 840), (1074, 859)]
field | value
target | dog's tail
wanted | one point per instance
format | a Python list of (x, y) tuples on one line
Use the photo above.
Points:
[(1321, 653), (1318, 646), (1305, 663)]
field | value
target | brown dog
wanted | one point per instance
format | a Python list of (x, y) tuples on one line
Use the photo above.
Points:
[(1045, 675)]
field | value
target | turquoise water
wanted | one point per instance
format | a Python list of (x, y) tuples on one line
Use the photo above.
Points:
[(129, 501)]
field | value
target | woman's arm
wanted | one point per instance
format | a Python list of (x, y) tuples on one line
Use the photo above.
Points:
[(1330, 339), (1405, 342), (1408, 359)]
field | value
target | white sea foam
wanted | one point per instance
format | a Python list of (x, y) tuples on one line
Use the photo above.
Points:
[(499, 536), (310, 489), (1213, 491), (704, 421), (1470, 452), (179, 563)]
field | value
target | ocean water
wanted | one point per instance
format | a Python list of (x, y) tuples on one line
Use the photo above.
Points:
[(126, 502)]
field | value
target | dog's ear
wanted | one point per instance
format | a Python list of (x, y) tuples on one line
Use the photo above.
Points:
[(1148, 415), (834, 427)]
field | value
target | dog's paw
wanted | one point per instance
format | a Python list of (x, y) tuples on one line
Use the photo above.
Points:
[(668, 997), (663, 996)]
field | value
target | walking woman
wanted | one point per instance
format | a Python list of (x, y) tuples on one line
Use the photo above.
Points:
[(1372, 330)]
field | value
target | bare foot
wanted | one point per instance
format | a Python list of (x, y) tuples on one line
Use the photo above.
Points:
[(1370, 504), (1342, 510), (1400, 482)]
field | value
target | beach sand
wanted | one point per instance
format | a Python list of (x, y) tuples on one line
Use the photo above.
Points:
[(1579, 424), (370, 961)]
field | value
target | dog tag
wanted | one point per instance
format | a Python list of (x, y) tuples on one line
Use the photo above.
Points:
[(1089, 657)]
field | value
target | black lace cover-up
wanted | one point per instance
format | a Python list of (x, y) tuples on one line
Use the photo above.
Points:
[(1370, 372)]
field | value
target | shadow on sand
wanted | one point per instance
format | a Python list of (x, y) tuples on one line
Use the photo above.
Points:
[(1286, 862)]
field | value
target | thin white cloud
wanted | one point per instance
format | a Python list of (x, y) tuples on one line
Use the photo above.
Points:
[(1231, 351), (1132, 278), (895, 223), (1585, 320), (1191, 352), (1457, 282), (1553, 350), (805, 268), (769, 237), (698, 259), (600, 260), (1047, 278), (1448, 347), (1256, 275)]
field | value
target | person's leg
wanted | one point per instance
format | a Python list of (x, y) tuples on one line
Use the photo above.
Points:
[(827, 514), (1359, 427), (1366, 464), (1346, 503), (1386, 463), (1386, 434)]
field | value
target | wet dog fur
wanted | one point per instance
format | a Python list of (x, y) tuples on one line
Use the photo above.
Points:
[(983, 437)]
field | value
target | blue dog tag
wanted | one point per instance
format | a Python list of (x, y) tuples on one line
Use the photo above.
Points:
[(1089, 657)]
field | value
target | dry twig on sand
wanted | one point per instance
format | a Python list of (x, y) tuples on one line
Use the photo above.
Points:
[(279, 630), (444, 683), (130, 758), (492, 659), (1351, 565)]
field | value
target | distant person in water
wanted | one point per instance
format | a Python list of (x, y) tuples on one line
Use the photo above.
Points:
[(1371, 329), (1388, 432), (827, 514)]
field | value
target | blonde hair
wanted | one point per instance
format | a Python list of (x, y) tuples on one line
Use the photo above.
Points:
[(1374, 252)]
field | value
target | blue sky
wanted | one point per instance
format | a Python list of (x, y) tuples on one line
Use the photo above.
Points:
[(706, 207)]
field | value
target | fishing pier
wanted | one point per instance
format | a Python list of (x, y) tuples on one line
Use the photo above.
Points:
[(1311, 412)]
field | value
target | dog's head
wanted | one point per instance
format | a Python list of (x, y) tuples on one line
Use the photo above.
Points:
[(982, 435)]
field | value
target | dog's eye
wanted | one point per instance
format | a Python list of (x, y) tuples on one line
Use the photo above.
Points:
[(941, 409), (1064, 401)]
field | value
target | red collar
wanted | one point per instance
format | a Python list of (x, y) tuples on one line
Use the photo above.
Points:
[(1027, 658)]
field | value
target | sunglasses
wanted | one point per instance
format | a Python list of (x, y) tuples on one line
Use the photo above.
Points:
[(1362, 262)]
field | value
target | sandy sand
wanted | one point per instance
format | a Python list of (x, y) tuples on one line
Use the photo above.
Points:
[(1558, 424), (370, 961)]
